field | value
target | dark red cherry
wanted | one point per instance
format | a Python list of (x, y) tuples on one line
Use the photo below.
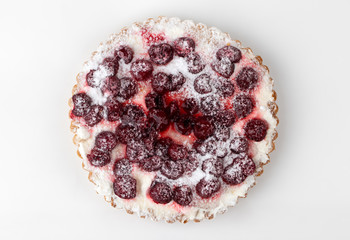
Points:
[(184, 124), (113, 84), (256, 129), (132, 114), (125, 187), (161, 53), (210, 105), (125, 53), (161, 147), (194, 63), (98, 158), (160, 193), (94, 116), (160, 82), (247, 79), (172, 170), (203, 128), (172, 111), (128, 88), (224, 67), (114, 108), (126, 133), (243, 105), (136, 152), (225, 87), (82, 103), (177, 152), (183, 195), (238, 171), (105, 141), (154, 100), (151, 164), (183, 46), (239, 144), (122, 167), (158, 119), (206, 188), (225, 118), (213, 166), (141, 69), (222, 133), (176, 82), (231, 53), (111, 65), (191, 165), (205, 147), (190, 105), (202, 84), (90, 79)]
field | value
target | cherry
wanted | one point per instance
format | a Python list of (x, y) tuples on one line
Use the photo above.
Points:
[(247, 79), (154, 100), (128, 88), (190, 106), (82, 103), (161, 53), (202, 84), (203, 128), (256, 129), (172, 170), (122, 167), (222, 133), (225, 87), (210, 105), (113, 109), (184, 124), (141, 69), (207, 188), (160, 82), (225, 118), (158, 119), (213, 166), (98, 158), (132, 114), (127, 133), (94, 116), (194, 63), (224, 67), (243, 105), (90, 79), (205, 147), (191, 165), (183, 195), (125, 53), (111, 65), (176, 82), (172, 111), (183, 46), (136, 151), (105, 141), (239, 144), (113, 84), (125, 187), (160, 192), (161, 147), (177, 152), (238, 171), (231, 53), (151, 164)]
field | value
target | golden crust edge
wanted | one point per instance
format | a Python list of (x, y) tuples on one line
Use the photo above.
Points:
[(272, 105)]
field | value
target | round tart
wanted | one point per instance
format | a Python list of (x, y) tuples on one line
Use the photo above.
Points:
[(173, 120)]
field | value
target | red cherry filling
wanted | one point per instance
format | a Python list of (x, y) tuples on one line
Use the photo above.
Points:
[(256, 129), (154, 100), (243, 105), (183, 195), (190, 105), (132, 114), (141, 70), (128, 88), (82, 103), (213, 166), (160, 82), (160, 193), (239, 144), (202, 84), (183, 46), (194, 63), (247, 79), (105, 141), (224, 67), (98, 158), (233, 54), (113, 109), (210, 105), (184, 125), (238, 171), (125, 53), (94, 116), (177, 152), (176, 82), (203, 128), (158, 120), (122, 167), (125, 187), (172, 111), (151, 164), (172, 170), (207, 188), (161, 54), (225, 87)]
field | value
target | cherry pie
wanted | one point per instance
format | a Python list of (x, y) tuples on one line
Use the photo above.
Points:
[(173, 120)]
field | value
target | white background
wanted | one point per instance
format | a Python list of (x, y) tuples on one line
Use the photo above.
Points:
[(304, 191)]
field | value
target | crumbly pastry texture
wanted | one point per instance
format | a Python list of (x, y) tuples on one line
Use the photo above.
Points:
[(173, 120)]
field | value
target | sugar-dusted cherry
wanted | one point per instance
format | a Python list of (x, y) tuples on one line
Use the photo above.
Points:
[(98, 158), (82, 103), (256, 129), (172, 170), (230, 52), (125, 53), (161, 54), (195, 63), (183, 195), (160, 192), (239, 144), (243, 105), (141, 70), (183, 46), (125, 187), (105, 141), (247, 79), (206, 188), (94, 116), (128, 88), (113, 107), (202, 84), (122, 167), (203, 128), (184, 124)]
